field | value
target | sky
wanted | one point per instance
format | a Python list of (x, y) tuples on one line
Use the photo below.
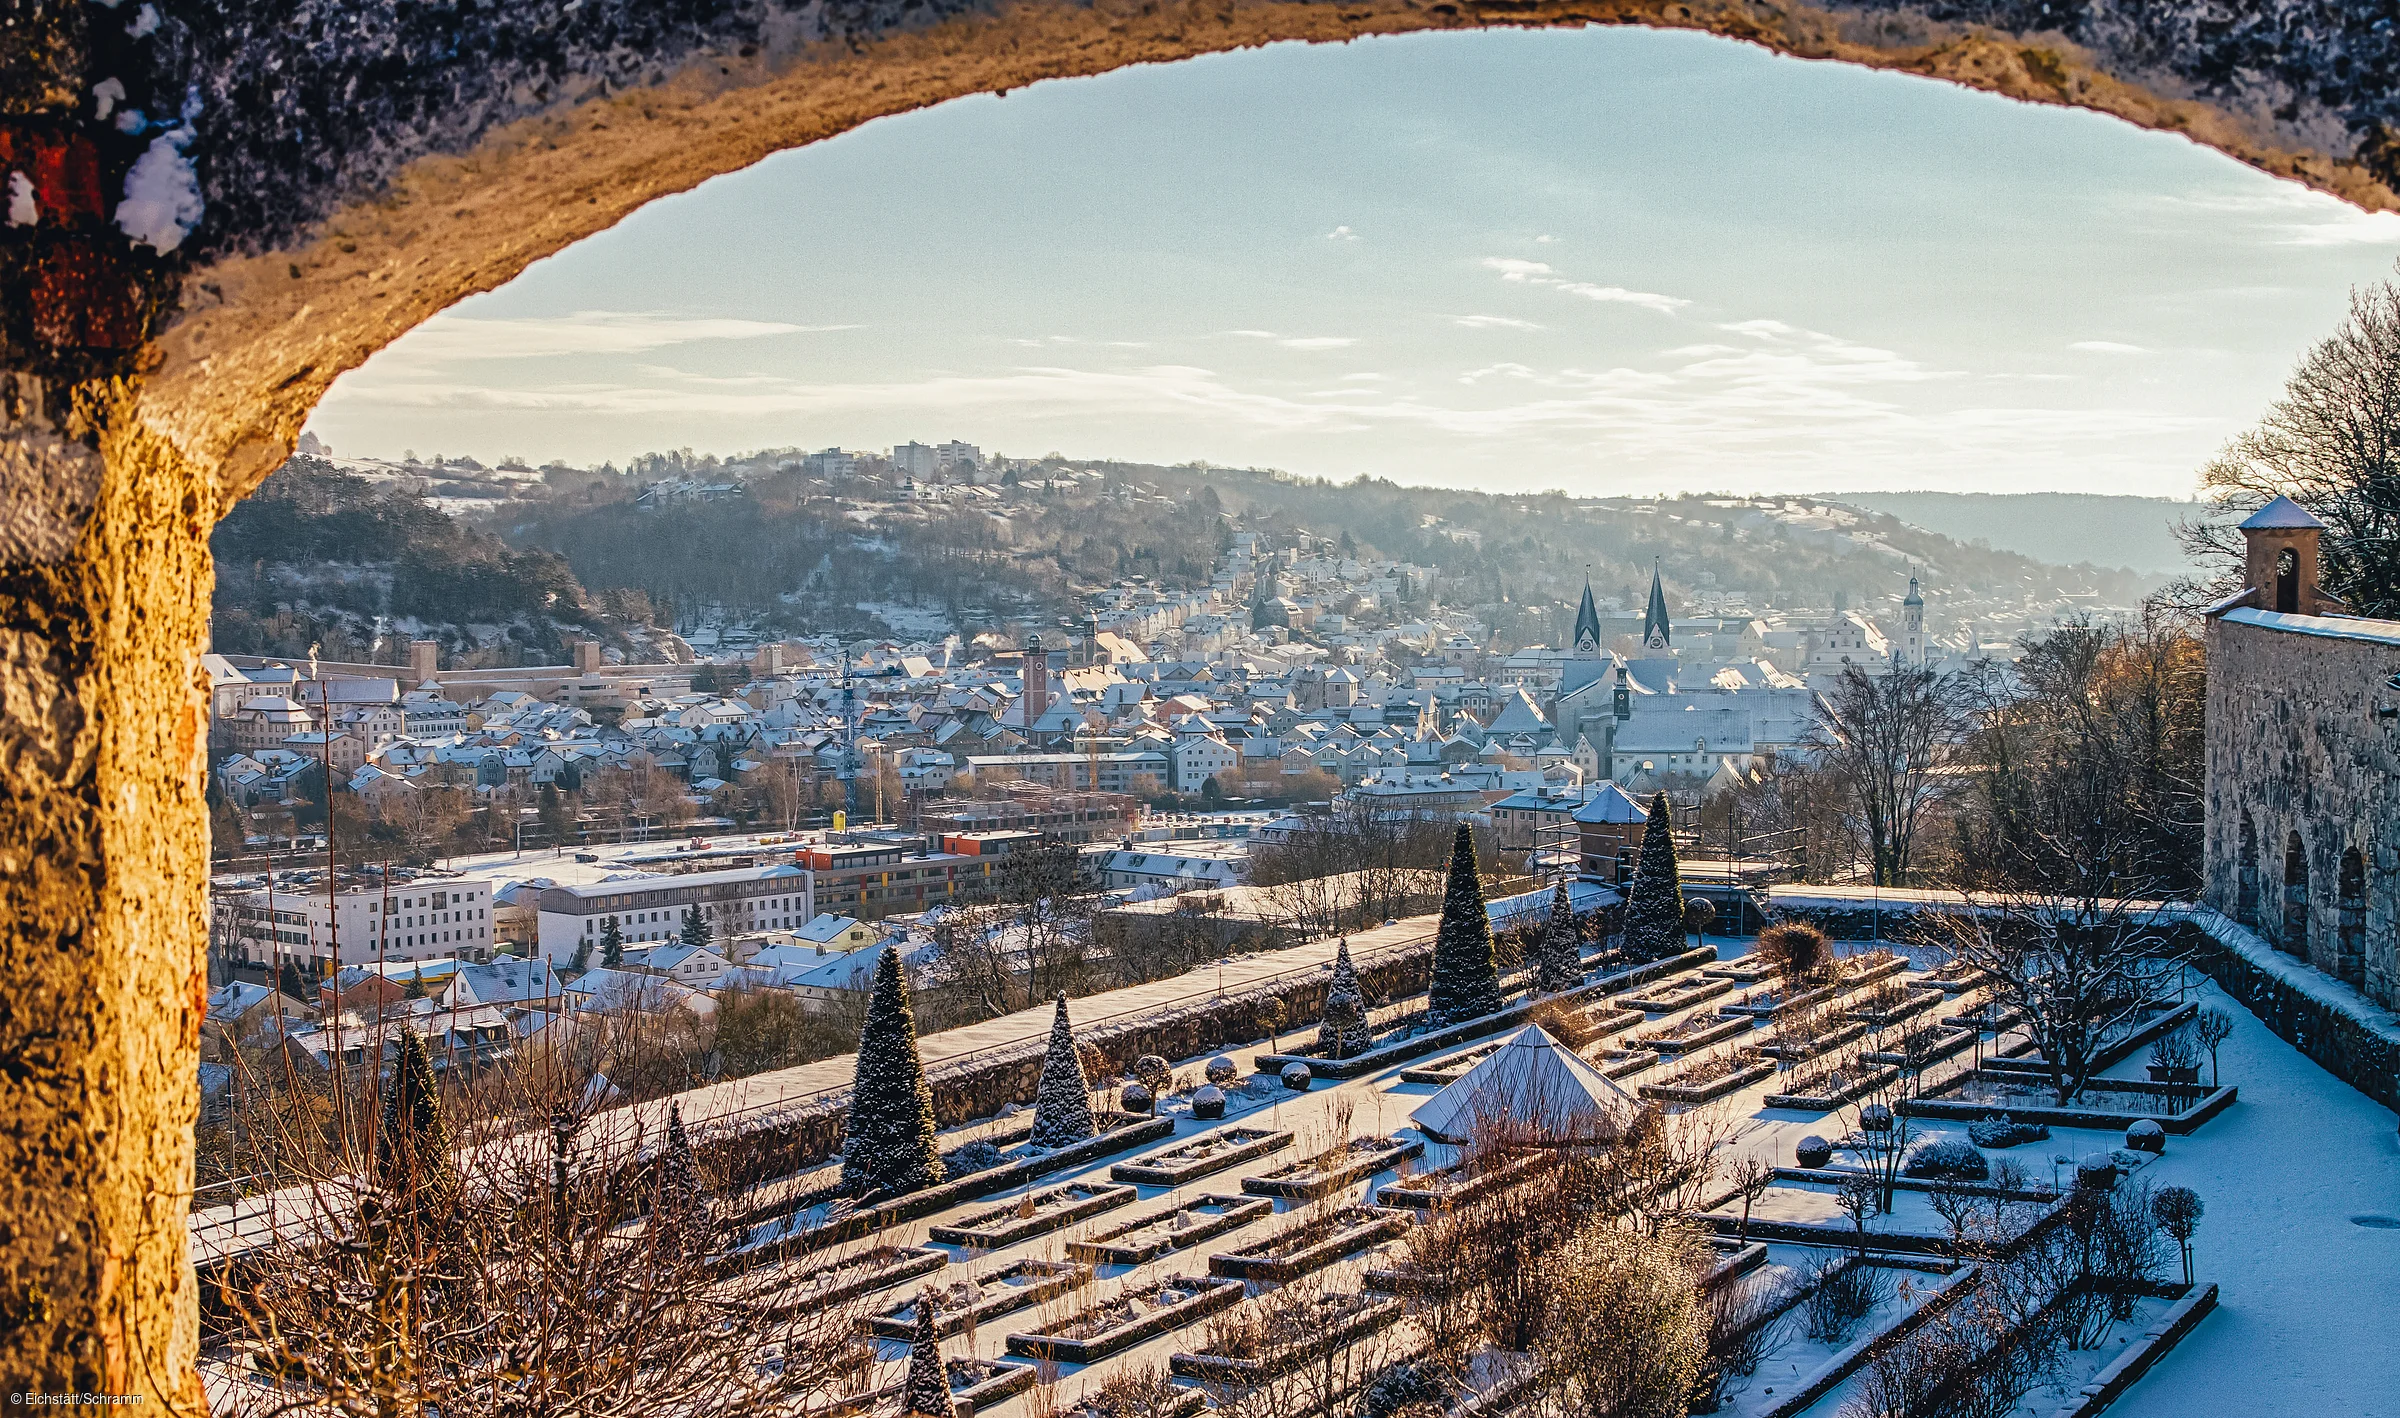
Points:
[(1609, 261)]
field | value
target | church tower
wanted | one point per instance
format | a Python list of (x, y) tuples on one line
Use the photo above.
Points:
[(1587, 626), (1655, 634), (1911, 649)]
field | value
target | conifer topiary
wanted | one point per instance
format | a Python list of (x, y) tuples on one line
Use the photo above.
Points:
[(1344, 1030), (1560, 954), (1062, 1102), (412, 1143), (928, 1392), (1654, 905), (682, 1217), (1466, 974), (889, 1146)]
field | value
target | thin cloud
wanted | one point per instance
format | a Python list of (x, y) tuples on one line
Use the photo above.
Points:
[(1341, 233), (1494, 322), (1540, 273), (586, 332), (2109, 347), (1298, 342)]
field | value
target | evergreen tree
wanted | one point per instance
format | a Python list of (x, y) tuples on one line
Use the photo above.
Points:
[(889, 1146), (1654, 905), (412, 1144), (1062, 1104), (612, 946), (696, 932), (928, 1392), (682, 1214), (581, 960), (291, 984), (1466, 974), (1344, 1031), (1559, 954)]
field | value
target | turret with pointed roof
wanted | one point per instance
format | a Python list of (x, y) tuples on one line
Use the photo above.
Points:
[(1655, 633), (1587, 624)]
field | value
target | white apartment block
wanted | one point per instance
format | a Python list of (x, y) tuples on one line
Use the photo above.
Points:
[(649, 909), (427, 918)]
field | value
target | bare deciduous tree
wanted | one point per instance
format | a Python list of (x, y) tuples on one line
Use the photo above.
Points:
[(1886, 740)]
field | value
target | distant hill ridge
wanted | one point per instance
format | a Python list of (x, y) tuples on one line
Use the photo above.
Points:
[(2061, 528)]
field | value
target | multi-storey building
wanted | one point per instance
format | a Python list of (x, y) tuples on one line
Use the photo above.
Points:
[(366, 919)]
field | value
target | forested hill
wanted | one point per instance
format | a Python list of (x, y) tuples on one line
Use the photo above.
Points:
[(319, 553), (321, 557), (2137, 533)]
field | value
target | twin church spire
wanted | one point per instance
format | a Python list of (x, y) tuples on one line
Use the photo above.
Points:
[(1656, 634)]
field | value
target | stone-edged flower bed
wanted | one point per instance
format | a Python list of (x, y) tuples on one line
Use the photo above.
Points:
[(1312, 1177), (1826, 1091), (835, 1282), (1953, 1042), (1133, 1317), (1697, 1032), (1183, 1403), (1034, 1214), (1468, 1177), (1120, 1131), (1257, 1345), (1139, 1240), (1883, 1011), (1742, 969), (2166, 1021), (1682, 995), (1972, 1020), (1708, 1080), (1625, 1063), (977, 1384), (1432, 1041), (1208, 1153), (979, 1298), (2107, 1103), (1449, 1068), (1789, 1054), (1767, 1004), (1312, 1242), (1859, 971)]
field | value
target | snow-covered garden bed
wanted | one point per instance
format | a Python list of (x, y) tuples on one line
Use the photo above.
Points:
[(1138, 1240), (2110, 1103), (790, 1288), (1697, 1032), (1312, 1241), (974, 1299), (1683, 994), (1312, 1177), (1200, 1156), (1033, 1214), (1469, 1176), (1136, 1314), (1272, 1335)]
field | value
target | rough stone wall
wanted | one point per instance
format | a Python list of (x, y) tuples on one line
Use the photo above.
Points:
[(234, 201), (2296, 741)]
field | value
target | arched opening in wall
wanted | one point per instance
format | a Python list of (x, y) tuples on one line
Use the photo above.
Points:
[(2287, 581), (2245, 889), (2350, 919), (2294, 935)]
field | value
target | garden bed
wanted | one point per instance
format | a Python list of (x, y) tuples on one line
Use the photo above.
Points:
[(1449, 1068), (979, 1298), (1887, 1010), (1280, 1336), (1697, 1032), (1034, 1214), (835, 1282), (2108, 1103), (1788, 1054), (1468, 1177), (1141, 1239), (1312, 1177), (1767, 1004), (1625, 1063), (1708, 1080), (1825, 1092), (1803, 1207), (2166, 1021), (1134, 1316), (1210, 1152), (1679, 996), (1180, 1402), (1312, 1242), (1401, 1049), (831, 1222), (977, 1384), (1742, 969)]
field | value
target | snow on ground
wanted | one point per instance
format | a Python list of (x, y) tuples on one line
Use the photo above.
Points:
[(2308, 1303)]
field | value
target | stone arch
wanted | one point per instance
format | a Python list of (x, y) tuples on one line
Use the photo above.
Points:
[(2292, 933), (2350, 918), (2245, 890), (328, 180)]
